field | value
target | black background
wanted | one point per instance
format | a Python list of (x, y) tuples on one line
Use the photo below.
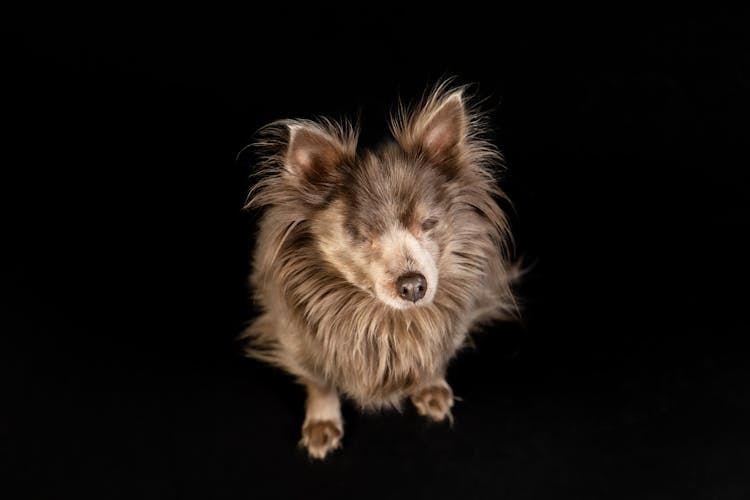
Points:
[(126, 251)]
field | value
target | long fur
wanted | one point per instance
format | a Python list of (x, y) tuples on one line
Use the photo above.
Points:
[(319, 325)]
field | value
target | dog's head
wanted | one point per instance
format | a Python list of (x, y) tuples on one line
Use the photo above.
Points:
[(383, 219)]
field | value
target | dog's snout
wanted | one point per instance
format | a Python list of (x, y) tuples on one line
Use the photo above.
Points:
[(411, 286)]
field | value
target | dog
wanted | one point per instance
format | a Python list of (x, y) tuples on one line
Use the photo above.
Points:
[(373, 266)]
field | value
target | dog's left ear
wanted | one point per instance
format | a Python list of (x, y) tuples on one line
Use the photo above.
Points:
[(437, 130), (445, 130)]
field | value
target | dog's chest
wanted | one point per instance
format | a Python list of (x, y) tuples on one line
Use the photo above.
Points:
[(388, 359)]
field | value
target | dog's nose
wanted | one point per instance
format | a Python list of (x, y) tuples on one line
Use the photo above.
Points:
[(411, 286)]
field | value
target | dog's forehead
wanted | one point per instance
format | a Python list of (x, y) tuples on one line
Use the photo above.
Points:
[(391, 182), (387, 189), (408, 175)]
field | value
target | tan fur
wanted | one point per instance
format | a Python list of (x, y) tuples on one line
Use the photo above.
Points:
[(340, 226)]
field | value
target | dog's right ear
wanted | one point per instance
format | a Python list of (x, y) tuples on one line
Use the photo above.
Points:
[(315, 153), (300, 161), (312, 155)]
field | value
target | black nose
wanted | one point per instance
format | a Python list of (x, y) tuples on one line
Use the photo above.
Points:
[(411, 286)]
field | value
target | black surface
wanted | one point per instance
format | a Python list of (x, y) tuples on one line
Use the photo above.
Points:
[(126, 251)]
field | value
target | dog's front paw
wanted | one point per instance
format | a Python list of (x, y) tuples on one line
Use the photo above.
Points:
[(321, 437), (435, 402)]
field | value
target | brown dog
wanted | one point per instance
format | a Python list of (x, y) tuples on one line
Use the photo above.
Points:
[(372, 267)]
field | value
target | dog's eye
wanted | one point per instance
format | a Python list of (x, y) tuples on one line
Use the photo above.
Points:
[(358, 234), (355, 233), (429, 224)]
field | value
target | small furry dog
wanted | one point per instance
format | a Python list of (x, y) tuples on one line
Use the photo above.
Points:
[(372, 266)]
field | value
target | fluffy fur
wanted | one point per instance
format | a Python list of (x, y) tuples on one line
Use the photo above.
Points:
[(340, 230)]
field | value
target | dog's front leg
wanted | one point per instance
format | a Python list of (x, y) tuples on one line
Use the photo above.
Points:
[(323, 427)]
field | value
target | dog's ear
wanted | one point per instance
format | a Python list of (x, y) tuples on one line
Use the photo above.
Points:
[(312, 154), (437, 129), (445, 130)]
